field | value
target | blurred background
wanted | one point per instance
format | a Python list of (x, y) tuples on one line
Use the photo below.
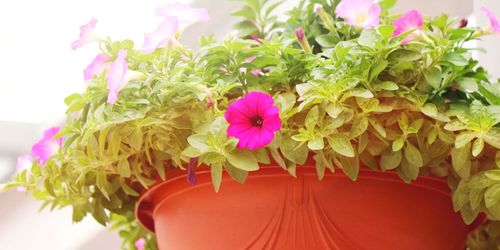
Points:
[(38, 69)]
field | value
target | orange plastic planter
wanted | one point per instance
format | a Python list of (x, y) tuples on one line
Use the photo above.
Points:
[(274, 210)]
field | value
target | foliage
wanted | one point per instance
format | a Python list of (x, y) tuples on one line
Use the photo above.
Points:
[(421, 108)]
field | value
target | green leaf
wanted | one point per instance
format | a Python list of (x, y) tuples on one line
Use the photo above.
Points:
[(359, 126), (369, 38), (293, 151), (477, 147), (460, 160), (216, 173), (312, 118), (493, 174), (390, 159), (262, 156), (350, 166), (398, 143), (237, 174), (136, 139), (341, 144), (123, 168), (316, 143), (102, 184), (386, 31), (455, 59), (128, 190), (243, 160), (198, 141), (378, 127), (464, 138), (333, 109), (413, 155), (493, 137), (433, 77), (321, 164), (387, 4), (492, 195), (327, 40)]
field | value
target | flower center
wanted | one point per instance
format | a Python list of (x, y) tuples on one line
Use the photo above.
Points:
[(256, 121), (360, 17)]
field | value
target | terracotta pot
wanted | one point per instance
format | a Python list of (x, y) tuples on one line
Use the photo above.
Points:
[(274, 210)]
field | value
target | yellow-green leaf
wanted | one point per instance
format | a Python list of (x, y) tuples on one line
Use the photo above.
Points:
[(390, 159), (341, 144), (460, 160), (350, 166), (477, 147), (493, 137), (413, 155), (243, 160), (216, 173), (492, 196), (464, 138), (123, 168), (359, 126)]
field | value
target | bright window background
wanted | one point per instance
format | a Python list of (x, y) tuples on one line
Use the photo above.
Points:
[(38, 69)]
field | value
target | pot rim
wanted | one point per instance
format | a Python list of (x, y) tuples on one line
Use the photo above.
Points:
[(146, 206)]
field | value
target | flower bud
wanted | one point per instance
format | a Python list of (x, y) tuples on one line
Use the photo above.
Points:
[(301, 38)]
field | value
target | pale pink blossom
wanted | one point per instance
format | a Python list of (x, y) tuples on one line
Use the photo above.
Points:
[(140, 244), (163, 34), (253, 119), (115, 78), (96, 67), (47, 146), (411, 20), (87, 35), (494, 21), (250, 59), (359, 13), (256, 72), (184, 13)]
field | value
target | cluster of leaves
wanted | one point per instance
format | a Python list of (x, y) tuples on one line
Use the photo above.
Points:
[(361, 97)]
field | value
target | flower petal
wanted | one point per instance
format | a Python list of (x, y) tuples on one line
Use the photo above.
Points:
[(359, 13), (409, 21), (185, 13), (115, 78), (161, 36), (140, 243), (494, 21), (47, 146), (86, 34), (96, 67)]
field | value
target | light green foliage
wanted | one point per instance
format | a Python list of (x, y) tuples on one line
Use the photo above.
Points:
[(424, 107)]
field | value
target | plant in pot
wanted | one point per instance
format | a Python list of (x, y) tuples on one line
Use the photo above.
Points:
[(343, 127)]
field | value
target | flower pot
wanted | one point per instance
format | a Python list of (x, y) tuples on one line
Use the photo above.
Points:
[(274, 210)]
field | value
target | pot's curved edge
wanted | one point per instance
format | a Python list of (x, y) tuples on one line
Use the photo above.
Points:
[(145, 206)]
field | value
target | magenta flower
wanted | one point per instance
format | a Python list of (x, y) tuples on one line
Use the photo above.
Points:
[(161, 36), (87, 35), (411, 20), (359, 13), (253, 119), (140, 243), (47, 146), (115, 78), (494, 21), (184, 13), (96, 67)]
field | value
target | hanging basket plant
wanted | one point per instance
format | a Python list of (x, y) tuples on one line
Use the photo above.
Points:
[(338, 86)]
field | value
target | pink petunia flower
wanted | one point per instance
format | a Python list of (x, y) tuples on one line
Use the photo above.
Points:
[(494, 21), (87, 35), (96, 67), (140, 243), (184, 13), (359, 13), (411, 20), (253, 119), (47, 146), (161, 36), (115, 78)]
